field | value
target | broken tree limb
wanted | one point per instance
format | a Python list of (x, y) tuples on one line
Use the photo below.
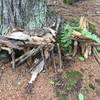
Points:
[(53, 60), (29, 60), (36, 62), (77, 34), (34, 73), (44, 59), (75, 48), (96, 55), (37, 70), (58, 23), (24, 57), (7, 49), (83, 23), (9, 44), (13, 59), (59, 53)]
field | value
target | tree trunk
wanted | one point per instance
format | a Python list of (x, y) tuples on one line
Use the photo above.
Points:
[(25, 14)]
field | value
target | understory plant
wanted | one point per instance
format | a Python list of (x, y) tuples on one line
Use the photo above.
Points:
[(66, 35)]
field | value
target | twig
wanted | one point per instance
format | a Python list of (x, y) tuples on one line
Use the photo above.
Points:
[(35, 73), (59, 53), (75, 48), (53, 59), (13, 59), (24, 57), (35, 64), (44, 59), (96, 55)]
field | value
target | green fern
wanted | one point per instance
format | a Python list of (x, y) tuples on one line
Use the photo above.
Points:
[(91, 36), (65, 37)]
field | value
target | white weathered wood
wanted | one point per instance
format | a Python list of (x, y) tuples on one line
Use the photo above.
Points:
[(18, 35), (36, 71), (7, 49)]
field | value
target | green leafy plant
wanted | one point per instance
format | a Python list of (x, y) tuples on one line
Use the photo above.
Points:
[(98, 48), (81, 96), (81, 58), (65, 37), (52, 82), (91, 36)]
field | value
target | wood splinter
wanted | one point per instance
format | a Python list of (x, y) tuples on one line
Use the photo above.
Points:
[(34, 73), (13, 59), (59, 54), (96, 55)]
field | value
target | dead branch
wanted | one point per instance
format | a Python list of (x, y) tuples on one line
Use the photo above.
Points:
[(13, 59), (96, 55), (53, 60), (75, 48), (34, 73), (24, 57), (60, 58)]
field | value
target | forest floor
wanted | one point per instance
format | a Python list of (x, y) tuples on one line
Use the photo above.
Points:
[(13, 83)]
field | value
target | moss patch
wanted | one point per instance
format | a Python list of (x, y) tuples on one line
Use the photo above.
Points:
[(67, 82)]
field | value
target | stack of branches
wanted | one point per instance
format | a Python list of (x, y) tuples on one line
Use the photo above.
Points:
[(38, 43), (86, 40)]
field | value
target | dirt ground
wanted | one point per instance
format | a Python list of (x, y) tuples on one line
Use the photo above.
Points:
[(13, 83)]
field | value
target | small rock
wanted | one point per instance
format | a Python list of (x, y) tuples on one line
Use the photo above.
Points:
[(18, 82), (97, 12), (97, 81), (98, 92)]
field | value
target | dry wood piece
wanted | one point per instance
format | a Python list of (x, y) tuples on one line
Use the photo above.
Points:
[(29, 60), (60, 58), (53, 60), (97, 55), (7, 49), (31, 45), (44, 58), (4, 42), (34, 73), (13, 59), (75, 48), (18, 35), (84, 42), (83, 23), (25, 56)]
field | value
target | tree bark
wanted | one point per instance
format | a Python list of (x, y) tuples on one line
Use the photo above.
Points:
[(26, 14)]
